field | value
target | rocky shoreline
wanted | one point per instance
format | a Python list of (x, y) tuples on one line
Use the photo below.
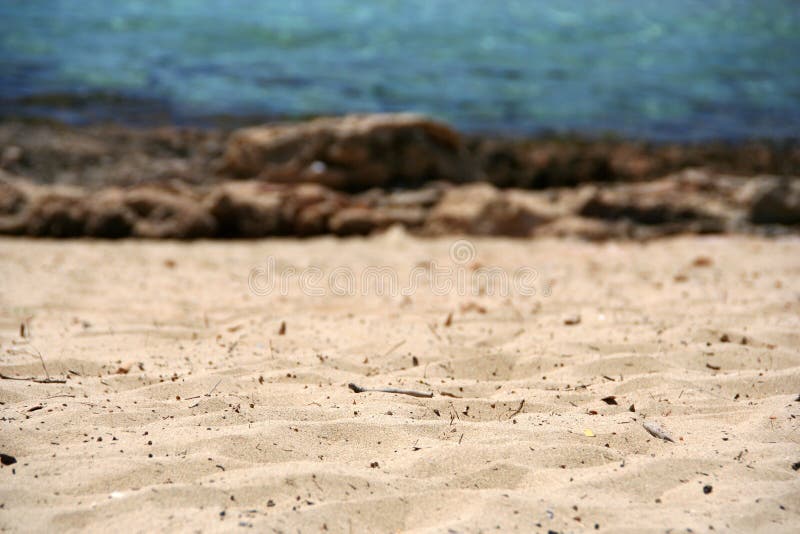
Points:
[(360, 174)]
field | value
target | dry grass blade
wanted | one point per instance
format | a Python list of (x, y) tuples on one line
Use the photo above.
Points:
[(47, 380), (423, 394)]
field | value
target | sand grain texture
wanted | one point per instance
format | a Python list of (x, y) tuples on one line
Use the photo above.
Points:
[(169, 354)]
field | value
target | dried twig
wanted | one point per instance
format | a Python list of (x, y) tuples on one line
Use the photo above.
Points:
[(42, 360), (359, 389), (394, 347), (206, 395), (434, 332), (214, 388), (47, 380), (519, 409)]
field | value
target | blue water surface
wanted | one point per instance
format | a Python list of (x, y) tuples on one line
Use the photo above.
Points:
[(655, 69)]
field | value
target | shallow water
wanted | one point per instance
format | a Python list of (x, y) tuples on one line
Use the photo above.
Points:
[(677, 69)]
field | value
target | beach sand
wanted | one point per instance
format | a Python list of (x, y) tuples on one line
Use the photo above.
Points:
[(184, 408)]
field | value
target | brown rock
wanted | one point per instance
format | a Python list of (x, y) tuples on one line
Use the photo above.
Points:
[(363, 220), (108, 216), (481, 209), (12, 198), (543, 163), (247, 209), (10, 156), (165, 214), (461, 208), (351, 153), (13, 208), (408, 216), (425, 197), (355, 220), (313, 219), (57, 214), (673, 204), (777, 202), (583, 228), (309, 207)]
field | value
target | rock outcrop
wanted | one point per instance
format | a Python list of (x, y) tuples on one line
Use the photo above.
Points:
[(690, 202), (246, 209), (351, 153), (777, 201), (355, 153), (168, 214), (482, 209), (674, 204)]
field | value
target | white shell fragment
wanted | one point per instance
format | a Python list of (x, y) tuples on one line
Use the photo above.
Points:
[(655, 430)]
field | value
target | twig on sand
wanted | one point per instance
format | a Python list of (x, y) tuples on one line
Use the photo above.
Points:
[(519, 409), (47, 380), (214, 388), (206, 395), (41, 359), (424, 394), (394, 347)]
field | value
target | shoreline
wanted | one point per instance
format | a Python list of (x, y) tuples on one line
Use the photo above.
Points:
[(228, 122)]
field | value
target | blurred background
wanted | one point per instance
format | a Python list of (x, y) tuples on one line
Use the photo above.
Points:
[(677, 70)]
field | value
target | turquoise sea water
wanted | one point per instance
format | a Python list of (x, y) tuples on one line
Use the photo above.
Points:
[(665, 69)]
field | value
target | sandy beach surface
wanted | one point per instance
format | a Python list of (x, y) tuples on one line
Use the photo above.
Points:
[(192, 401)]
